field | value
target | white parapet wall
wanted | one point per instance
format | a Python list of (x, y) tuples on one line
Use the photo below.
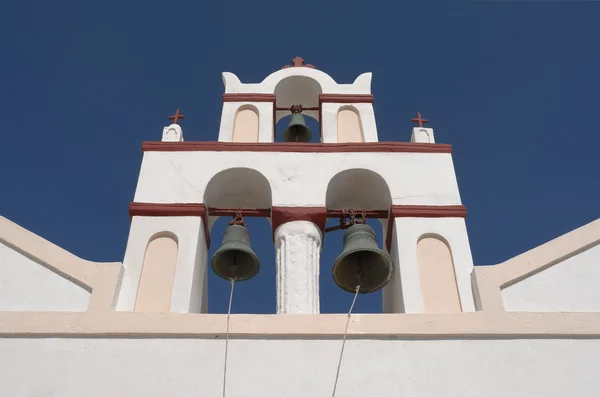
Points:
[(27, 285), (572, 285), (274, 367)]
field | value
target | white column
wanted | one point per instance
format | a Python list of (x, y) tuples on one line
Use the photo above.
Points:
[(297, 254)]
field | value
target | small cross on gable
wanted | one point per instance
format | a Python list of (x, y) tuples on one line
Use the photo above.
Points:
[(176, 117), (419, 120), (298, 62)]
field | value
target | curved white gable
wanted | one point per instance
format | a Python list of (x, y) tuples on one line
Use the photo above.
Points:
[(361, 85)]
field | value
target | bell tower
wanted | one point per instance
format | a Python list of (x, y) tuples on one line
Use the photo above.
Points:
[(344, 111), (424, 266)]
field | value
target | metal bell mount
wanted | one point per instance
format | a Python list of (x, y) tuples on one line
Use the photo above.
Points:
[(297, 131), (362, 261), (235, 259)]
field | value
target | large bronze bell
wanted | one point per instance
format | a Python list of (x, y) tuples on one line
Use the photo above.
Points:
[(362, 262), (297, 131), (235, 258)]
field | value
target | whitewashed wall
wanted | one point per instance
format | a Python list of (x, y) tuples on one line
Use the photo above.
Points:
[(298, 179), (299, 368), (26, 285), (572, 285)]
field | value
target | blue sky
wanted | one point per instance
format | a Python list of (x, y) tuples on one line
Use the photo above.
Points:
[(512, 85)]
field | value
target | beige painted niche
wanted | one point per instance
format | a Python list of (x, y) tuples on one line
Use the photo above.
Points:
[(158, 273), (436, 273), (245, 125)]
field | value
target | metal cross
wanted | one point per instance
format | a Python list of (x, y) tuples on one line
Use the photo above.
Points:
[(419, 120), (176, 117)]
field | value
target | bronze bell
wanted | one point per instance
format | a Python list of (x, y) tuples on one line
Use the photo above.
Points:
[(362, 262), (297, 131), (235, 258)]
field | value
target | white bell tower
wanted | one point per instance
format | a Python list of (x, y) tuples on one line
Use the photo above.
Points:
[(410, 186)]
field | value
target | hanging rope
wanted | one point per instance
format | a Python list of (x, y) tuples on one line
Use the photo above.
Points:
[(232, 281), (337, 375)]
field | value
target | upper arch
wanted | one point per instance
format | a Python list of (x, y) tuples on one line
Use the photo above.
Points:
[(358, 189), (238, 186)]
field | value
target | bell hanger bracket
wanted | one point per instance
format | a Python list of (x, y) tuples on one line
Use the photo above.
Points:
[(247, 212), (296, 108), (349, 218), (238, 219)]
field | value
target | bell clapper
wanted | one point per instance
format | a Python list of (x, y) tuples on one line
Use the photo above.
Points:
[(360, 274), (233, 267)]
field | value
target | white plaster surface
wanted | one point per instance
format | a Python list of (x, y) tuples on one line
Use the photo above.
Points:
[(190, 270), (172, 133), (298, 179), (297, 254), (423, 135), (572, 285), (299, 368), (26, 285), (404, 291)]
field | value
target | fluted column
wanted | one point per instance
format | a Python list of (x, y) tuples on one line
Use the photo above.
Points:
[(298, 247)]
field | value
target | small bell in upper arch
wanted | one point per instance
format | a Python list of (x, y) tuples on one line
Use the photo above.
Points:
[(297, 131)]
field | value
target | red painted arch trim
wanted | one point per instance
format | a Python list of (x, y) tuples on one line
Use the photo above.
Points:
[(346, 98), (249, 98), (366, 147), (176, 209), (421, 211)]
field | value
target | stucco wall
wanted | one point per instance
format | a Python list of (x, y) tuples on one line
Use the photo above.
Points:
[(298, 179), (29, 286), (299, 368), (571, 285)]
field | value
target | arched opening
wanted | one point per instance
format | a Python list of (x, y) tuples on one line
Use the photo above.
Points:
[(297, 90), (234, 187), (349, 125), (245, 124), (246, 188), (158, 273), (358, 188), (351, 189)]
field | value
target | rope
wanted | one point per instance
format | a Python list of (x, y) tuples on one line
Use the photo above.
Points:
[(337, 375), (232, 280)]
